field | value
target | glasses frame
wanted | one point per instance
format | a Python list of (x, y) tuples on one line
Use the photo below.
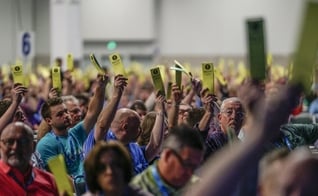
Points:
[(9, 142), (183, 162)]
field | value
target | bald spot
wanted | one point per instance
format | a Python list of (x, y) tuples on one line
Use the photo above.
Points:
[(18, 126), (125, 113)]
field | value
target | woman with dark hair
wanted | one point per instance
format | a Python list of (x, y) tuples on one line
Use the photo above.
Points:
[(108, 170)]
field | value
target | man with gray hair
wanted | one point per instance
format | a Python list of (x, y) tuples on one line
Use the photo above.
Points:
[(231, 119)]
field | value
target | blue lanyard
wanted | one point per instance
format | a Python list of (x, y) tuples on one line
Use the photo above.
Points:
[(28, 182), (162, 188), (287, 142)]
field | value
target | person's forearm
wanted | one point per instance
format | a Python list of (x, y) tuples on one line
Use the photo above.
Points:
[(156, 137), (106, 117), (189, 97), (150, 102), (94, 108), (205, 121), (7, 117), (173, 115)]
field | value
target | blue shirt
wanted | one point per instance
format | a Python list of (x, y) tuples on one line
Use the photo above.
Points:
[(139, 161), (70, 146)]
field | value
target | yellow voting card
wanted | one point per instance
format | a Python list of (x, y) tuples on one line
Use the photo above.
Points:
[(306, 51), (17, 73), (208, 76), (56, 78), (157, 80), (70, 62), (94, 61), (58, 168), (117, 65)]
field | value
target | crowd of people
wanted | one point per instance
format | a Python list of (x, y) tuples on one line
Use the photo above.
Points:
[(134, 140)]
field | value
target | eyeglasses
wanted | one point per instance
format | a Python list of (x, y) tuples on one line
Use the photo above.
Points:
[(11, 141), (184, 163), (103, 166), (229, 112)]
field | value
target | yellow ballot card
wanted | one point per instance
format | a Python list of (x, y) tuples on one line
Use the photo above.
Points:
[(256, 48), (56, 78), (58, 168), (306, 51), (17, 73), (70, 62), (94, 61), (208, 76), (157, 80), (117, 65)]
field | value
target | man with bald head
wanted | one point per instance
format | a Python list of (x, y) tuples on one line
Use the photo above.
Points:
[(231, 119), (124, 125), (17, 176)]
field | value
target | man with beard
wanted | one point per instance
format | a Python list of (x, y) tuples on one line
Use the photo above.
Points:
[(69, 141), (17, 175)]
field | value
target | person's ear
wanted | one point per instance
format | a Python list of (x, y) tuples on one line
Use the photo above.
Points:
[(124, 126), (219, 116), (48, 120)]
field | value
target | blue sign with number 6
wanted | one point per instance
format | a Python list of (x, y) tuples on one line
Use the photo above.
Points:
[(26, 45)]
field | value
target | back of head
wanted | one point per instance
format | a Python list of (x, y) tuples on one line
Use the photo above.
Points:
[(269, 170), (138, 105), (70, 98), (183, 136), (304, 179), (300, 174)]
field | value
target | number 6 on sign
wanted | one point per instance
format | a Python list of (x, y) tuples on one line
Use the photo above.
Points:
[(25, 46)]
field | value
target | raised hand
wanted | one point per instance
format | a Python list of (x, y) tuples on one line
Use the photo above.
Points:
[(18, 92), (120, 82), (176, 94)]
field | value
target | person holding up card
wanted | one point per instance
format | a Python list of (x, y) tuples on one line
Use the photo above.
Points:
[(17, 175), (69, 141)]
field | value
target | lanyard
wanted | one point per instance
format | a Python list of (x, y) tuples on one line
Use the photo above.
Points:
[(158, 181), (286, 141), (28, 182)]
